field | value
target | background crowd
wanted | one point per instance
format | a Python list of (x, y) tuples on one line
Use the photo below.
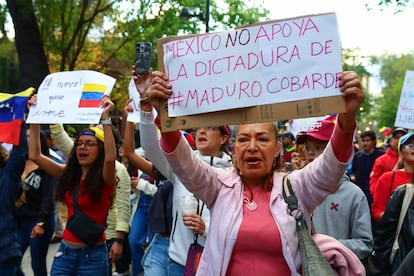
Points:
[(156, 194)]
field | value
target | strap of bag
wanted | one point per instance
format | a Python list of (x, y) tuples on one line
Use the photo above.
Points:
[(75, 197), (404, 208), (195, 238), (291, 199)]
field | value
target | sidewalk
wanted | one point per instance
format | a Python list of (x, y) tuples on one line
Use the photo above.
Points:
[(27, 269)]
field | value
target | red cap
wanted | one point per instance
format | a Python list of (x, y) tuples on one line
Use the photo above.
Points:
[(320, 130), (226, 129)]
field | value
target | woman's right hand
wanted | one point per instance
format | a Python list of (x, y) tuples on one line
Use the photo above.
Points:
[(194, 223), (159, 90), (32, 101)]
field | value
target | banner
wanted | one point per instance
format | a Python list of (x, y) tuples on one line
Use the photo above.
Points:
[(274, 62), (12, 108), (72, 97), (405, 112)]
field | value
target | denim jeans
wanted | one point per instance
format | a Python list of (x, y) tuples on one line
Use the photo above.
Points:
[(175, 269), (38, 246), (156, 260), (10, 267), (139, 233), (84, 261)]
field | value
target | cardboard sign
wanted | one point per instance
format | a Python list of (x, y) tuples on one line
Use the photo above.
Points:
[(262, 72), (405, 112), (71, 98)]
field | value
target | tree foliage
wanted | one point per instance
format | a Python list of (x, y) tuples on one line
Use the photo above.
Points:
[(101, 35), (353, 61), (392, 73), (396, 5)]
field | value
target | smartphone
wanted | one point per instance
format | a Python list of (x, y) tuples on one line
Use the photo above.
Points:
[(143, 58)]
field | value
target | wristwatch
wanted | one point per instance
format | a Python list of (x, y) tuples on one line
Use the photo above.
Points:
[(119, 240)]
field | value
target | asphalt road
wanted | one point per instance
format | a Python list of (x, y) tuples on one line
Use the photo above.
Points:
[(27, 269)]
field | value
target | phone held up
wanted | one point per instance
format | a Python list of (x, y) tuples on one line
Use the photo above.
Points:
[(143, 58)]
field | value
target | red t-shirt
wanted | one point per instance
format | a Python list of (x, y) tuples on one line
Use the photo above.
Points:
[(258, 248), (382, 164), (95, 210), (385, 187)]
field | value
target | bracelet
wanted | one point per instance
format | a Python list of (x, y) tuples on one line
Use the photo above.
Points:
[(105, 121), (144, 100)]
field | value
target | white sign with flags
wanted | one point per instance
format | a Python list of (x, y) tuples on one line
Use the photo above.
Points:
[(405, 112), (72, 97)]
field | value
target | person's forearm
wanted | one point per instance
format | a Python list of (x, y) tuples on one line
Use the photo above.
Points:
[(342, 141)]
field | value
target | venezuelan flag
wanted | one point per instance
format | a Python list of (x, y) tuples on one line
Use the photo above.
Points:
[(332, 117), (92, 94), (385, 131), (12, 108)]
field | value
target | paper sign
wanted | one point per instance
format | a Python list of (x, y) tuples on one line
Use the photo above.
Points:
[(271, 62), (405, 112), (135, 116), (71, 98)]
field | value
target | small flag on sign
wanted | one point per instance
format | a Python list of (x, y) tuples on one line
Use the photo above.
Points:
[(385, 131), (92, 94), (331, 117), (12, 108)]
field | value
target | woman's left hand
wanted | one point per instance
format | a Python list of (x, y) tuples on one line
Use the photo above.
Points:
[(106, 105), (195, 223)]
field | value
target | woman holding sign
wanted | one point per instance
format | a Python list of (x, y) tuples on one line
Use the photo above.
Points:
[(251, 231), (87, 180)]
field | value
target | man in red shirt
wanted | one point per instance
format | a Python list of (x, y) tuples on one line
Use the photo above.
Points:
[(387, 161)]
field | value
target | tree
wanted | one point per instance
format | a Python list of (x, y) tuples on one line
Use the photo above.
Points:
[(353, 61), (397, 5), (82, 34), (392, 73), (33, 65)]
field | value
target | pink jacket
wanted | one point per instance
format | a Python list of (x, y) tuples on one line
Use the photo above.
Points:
[(221, 190)]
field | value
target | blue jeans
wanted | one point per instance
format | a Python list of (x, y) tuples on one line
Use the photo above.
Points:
[(175, 269), (139, 233), (84, 261), (38, 246), (10, 267), (156, 260)]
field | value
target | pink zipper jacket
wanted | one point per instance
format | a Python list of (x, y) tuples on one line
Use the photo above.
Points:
[(221, 190)]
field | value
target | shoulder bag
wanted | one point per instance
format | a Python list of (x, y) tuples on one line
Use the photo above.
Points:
[(194, 253), (81, 225), (313, 261)]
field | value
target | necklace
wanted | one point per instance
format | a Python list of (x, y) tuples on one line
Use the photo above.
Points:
[(250, 204)]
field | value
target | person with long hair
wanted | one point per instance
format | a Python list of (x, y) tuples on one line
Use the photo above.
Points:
[(251, 230), (91, 170)]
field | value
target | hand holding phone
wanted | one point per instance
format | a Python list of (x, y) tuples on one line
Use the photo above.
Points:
[(143, 58)]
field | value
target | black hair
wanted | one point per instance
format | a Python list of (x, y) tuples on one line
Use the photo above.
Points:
[(370, 134), (73, 172)]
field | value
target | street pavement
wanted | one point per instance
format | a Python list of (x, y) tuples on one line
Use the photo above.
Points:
[(27, 269)]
